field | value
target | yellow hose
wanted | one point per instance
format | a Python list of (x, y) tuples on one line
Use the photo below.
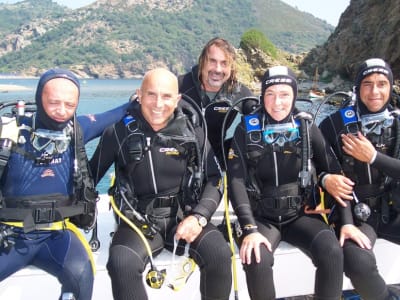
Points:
[(131, 224)]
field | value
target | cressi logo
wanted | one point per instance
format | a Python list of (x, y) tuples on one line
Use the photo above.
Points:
[(278, 80), (169, 151), (375, 70), (221, 109)]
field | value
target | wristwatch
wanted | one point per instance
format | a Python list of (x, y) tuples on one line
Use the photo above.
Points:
[(202, 220)]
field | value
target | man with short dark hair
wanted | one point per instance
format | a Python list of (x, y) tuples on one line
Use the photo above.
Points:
[(365, 138)]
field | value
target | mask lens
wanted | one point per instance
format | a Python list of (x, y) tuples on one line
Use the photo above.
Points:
[(372, 127), (40, 143), (62, 145), (388, 122), (292, 134), (270, 137)]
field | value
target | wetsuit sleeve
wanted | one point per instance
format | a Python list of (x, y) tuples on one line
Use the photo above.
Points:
[(236, 171), (93, 125), (331, 128), (324, 158), (103, 157), (327, 162), (388, 165), (212, 191)]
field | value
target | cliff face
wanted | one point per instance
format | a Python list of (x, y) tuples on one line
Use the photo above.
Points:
[(368, 28)]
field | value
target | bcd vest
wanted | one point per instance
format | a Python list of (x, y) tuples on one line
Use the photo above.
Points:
[(180, 134), (295, 193), (80, 207), (386, 142)]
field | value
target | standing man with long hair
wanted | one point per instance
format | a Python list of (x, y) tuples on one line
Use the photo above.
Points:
[(213, 84)]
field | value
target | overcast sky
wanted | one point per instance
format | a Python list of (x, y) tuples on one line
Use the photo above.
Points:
[(328, 10)]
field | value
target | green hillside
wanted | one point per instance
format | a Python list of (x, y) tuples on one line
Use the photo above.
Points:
[(134, 38), (12, 17)]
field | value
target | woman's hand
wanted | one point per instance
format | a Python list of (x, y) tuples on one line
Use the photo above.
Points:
[(350, 231)]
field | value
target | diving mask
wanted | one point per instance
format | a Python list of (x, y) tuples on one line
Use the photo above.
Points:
[(374, 123), (281, 133), (49, 141)]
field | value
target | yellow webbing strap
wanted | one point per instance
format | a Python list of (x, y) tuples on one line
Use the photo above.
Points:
[(62, 225), (231, 243), (320, 208)]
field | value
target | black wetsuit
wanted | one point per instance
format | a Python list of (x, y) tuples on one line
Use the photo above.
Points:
[(214, 109), (159, 173), (360, 264), (277, 216)]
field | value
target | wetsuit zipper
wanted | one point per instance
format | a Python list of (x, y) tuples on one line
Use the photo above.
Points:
[(276, 169), (153, 177), (276, 178)]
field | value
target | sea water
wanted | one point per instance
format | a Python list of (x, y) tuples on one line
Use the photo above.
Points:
[(99, 95)]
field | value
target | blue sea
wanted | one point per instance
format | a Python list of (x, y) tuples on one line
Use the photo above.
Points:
[(98, 95)]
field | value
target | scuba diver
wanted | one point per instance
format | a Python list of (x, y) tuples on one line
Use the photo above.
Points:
[(365, 137), (46, 186), (214, 86), (168, 184), (272, 166)]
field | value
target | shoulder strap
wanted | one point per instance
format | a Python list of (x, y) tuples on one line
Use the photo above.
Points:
[(348, 115), (84, 188), (305, 174), (82, 175)]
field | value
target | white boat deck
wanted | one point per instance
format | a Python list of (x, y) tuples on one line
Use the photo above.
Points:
[(293, 271)]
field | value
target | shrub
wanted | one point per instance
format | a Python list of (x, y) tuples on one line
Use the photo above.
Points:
[(254, 38)]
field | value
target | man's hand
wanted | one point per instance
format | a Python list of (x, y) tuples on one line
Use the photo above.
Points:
[(358, 147), (340, 187), (189, 229)]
